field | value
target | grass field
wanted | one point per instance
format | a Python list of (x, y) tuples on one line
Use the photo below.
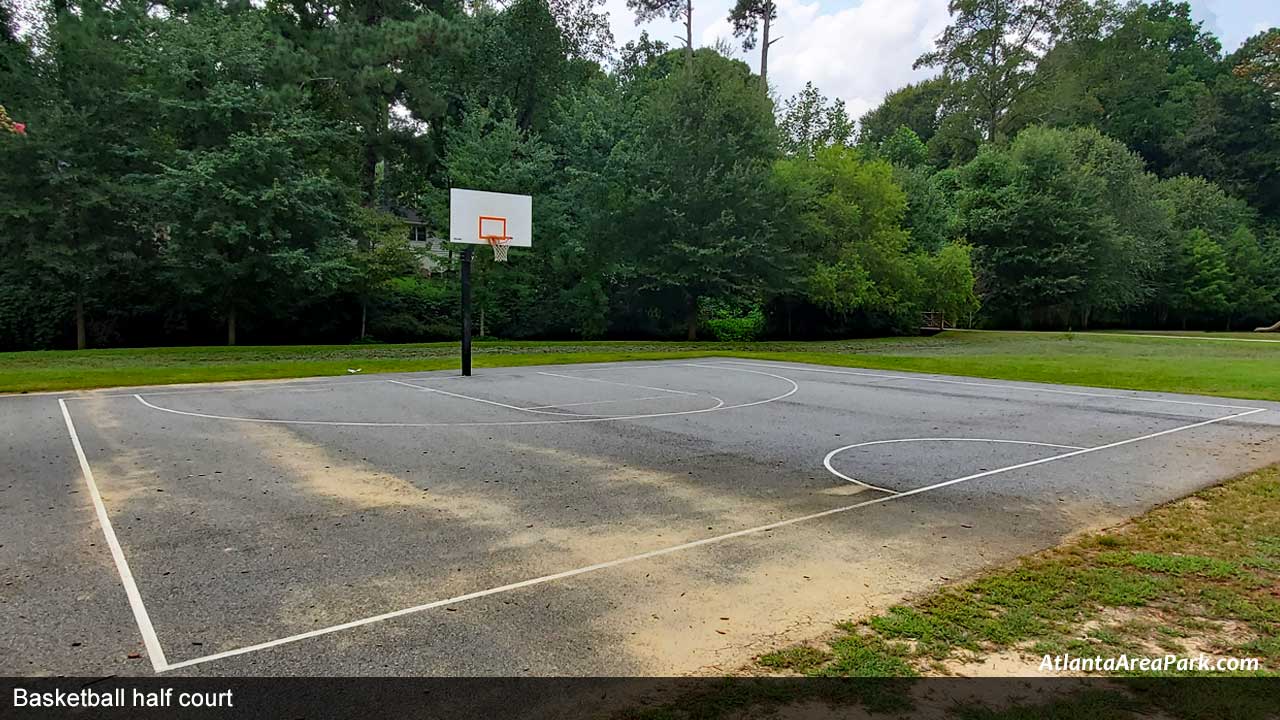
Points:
[(1196, 576), (1209, 366)]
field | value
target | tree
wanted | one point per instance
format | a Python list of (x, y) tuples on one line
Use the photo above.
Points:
[(70, 213), (849, 231), (1202, 215), (1206, 279), (250, 203), (1051, 247), (1234, 137), (673, 10), (1144, 77), (918, 106), (904, 148), (379, 252), (1255, 286), (930, 218), (745, 16), (698, 198), (810, 122), (367, 57), (522, 57), (1262, 65), (990, 50), (585, 29), (948, 281)]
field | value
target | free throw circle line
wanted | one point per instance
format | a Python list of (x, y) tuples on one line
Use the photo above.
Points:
[(719, 402), (492, 423), (826, 461)]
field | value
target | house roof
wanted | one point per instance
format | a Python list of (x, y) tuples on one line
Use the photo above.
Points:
[(408, 215)]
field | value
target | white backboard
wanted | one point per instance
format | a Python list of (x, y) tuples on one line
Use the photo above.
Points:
[(473, 213)]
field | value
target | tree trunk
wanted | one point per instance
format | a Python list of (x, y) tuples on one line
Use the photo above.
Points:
[(764, 48), (364, 314), (80, 334), (374, 135), (231, 326), (688, 30), (691, 318)]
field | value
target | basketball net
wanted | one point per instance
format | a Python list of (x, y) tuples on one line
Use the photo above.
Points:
[(500, 245)]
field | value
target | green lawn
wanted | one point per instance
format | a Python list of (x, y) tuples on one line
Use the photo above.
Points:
[(1197, 575), (1209, 367)]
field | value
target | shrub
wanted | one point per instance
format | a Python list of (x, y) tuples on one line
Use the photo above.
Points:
[(730, 326)]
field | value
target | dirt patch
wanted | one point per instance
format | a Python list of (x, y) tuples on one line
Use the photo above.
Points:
[(1005, 663)]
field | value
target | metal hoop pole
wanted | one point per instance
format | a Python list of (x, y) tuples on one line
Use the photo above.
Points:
[(466, 310)]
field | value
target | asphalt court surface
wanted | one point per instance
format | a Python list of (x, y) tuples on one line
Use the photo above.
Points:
[(609, 519)]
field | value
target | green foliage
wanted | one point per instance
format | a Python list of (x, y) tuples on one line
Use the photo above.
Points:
[(930, 216), (850, 213), (726, 325), (211, 165), (701, 200), (917, 106), (904, 147), (810, 122), (414, 309), (855, 245), (1064, 224), (948, 282), (989, 52)]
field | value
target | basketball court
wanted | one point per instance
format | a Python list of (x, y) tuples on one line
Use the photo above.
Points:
[(633, 518)]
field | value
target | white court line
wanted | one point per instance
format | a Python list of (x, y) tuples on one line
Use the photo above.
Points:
[(311, 384), (598, 402), (494, 423), (677, 548), (615, 382), (149, 639), (495, 402), (826, 461), (719, 403), (1001, 386)]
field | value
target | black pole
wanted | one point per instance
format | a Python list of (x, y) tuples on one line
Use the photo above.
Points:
[(466, 311)]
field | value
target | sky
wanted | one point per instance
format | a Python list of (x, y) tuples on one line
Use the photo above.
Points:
[(860, 50)]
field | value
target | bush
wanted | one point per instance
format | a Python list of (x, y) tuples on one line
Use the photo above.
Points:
[(726, 325), (414, 309)]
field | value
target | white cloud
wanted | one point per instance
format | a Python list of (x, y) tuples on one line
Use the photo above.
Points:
[(856, 51)]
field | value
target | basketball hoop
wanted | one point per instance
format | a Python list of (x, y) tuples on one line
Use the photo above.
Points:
[(500, 245), (496, 235)]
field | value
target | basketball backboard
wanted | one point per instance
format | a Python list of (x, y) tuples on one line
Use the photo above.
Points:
[(475, 215)]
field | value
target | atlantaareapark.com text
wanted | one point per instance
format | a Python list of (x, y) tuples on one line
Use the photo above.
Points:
[(1166, 663)]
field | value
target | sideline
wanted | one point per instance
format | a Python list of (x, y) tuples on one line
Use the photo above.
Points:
[(154, 652)]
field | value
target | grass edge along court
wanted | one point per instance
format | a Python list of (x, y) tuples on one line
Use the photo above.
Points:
[(1204, 366)]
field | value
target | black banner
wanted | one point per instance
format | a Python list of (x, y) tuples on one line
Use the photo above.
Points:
[(639, 698)]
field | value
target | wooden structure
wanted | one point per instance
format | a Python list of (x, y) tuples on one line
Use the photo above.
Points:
[(933, 322)]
